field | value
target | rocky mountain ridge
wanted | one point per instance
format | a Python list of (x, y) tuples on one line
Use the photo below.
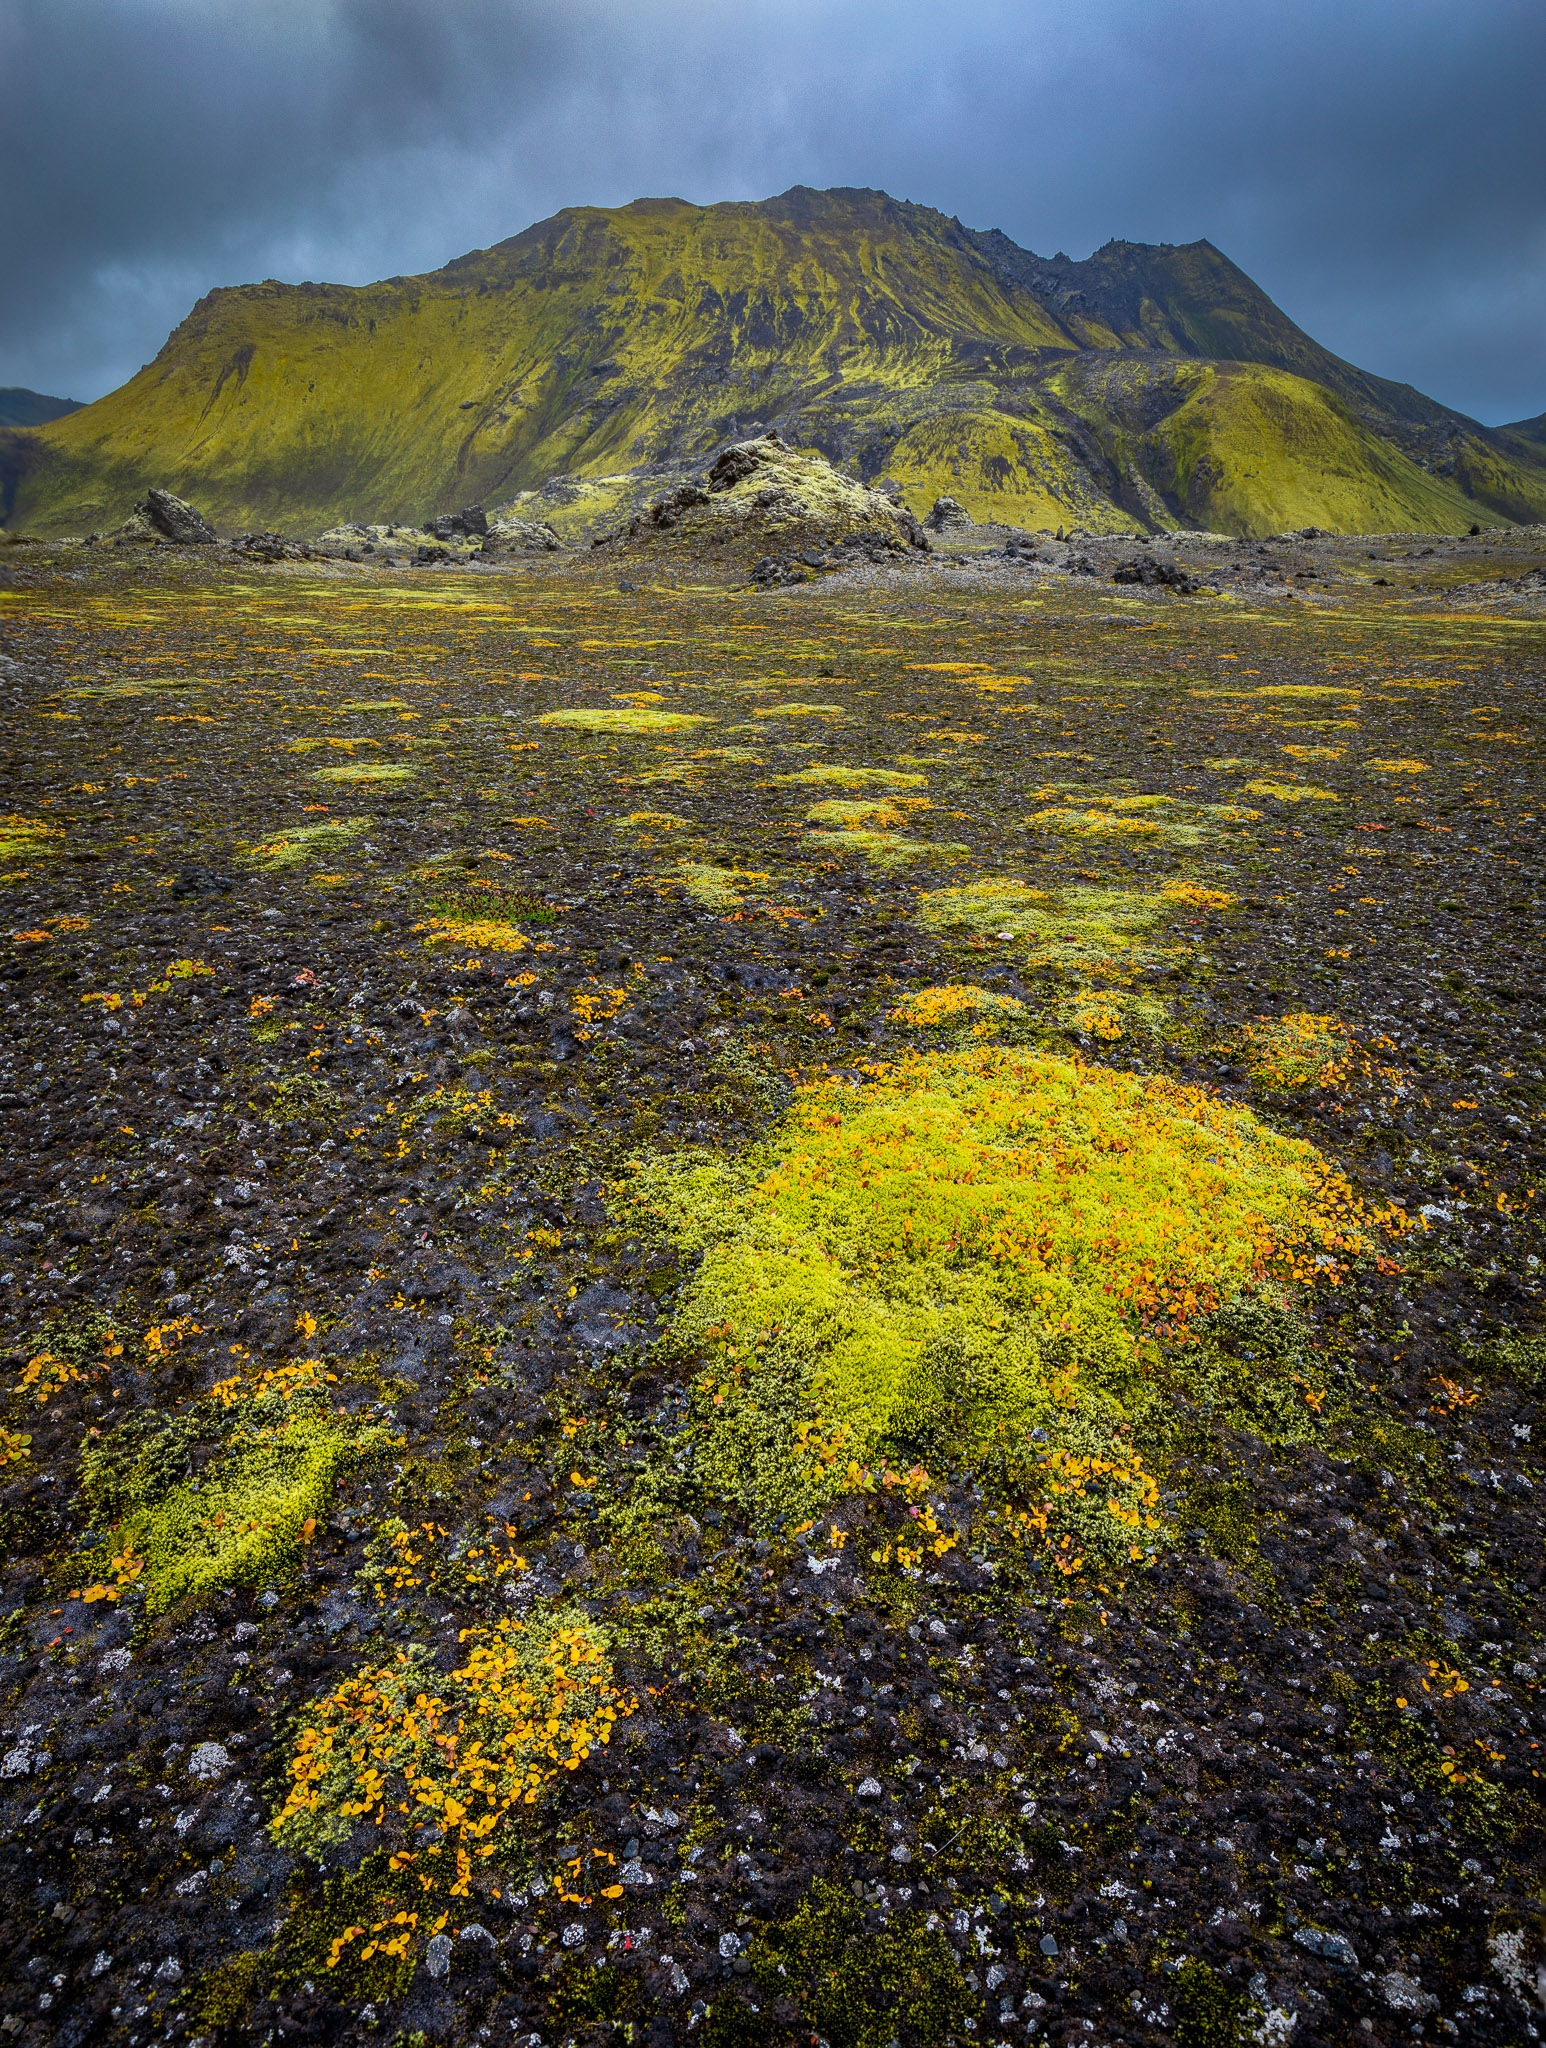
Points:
[(1142, 389)]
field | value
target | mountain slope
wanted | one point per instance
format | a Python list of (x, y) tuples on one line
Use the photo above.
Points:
[(608, 340)]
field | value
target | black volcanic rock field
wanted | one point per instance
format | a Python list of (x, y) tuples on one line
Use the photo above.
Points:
[(787, 1312)]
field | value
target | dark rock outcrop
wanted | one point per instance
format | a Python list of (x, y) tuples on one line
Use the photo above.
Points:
[(174, 519)]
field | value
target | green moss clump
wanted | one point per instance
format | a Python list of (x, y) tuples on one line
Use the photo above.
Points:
[(653, 821), (1292, 792), (299, 843), (624, 722), (848, 812), (591, 1993), (731, 2023), (366, 771), (244, 1526), (1226, 1515), (1086, 928), (304, 1097), (859, 1986), (276, 1449), (837, 775), (889, 849), (315, 1943), (141, 1460), (1208, 2013), (29, 839), (712, 887), (223, 1997), (973, 1245)]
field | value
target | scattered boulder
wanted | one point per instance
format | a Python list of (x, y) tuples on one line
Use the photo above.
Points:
[(471, 522), (868, 544), (270, 547), (666, 511), (1156, 575), (520, 536), (174, 519), (948, 515)]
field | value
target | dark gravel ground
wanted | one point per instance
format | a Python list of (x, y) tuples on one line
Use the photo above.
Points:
[(987, 1802)]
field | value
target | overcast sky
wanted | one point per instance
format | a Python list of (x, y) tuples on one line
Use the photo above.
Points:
[(1379, 166)]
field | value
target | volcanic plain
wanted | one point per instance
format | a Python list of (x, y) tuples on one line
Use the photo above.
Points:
[(767, 1315)]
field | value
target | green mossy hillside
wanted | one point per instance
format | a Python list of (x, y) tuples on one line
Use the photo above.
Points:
[(606, 350)]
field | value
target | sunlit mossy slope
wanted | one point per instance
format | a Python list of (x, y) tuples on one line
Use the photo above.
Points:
[(1144, 387)]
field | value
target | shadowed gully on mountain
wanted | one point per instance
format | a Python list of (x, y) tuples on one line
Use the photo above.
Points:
[(1145, 388)]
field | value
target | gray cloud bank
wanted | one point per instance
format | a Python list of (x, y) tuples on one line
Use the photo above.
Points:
[(1379, 166)]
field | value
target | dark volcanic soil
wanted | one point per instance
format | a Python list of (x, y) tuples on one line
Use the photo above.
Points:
[(370, 1098)]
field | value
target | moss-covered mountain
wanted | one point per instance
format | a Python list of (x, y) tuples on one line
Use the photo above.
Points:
[(1144, 387)]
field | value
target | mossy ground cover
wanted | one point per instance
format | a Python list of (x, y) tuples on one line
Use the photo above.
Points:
[(733, 1437)]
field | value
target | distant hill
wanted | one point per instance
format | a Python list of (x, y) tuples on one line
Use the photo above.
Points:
[(1528, 430), (22, 408), (1143, 387)]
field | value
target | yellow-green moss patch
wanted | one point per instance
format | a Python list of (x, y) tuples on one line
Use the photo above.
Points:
[(889, 849), (367, 771), (849, 812), (29, 839), (1292, 792), (971, 1246), (279, 1446), (298, 843), (624, 721), (715, 888), (837, 775)]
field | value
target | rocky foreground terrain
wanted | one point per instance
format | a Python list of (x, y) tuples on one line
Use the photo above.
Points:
[(765, 1287)]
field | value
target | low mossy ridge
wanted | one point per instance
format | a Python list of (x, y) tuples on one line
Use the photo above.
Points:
[(274, 1448), (970, 1248), (601, 343)]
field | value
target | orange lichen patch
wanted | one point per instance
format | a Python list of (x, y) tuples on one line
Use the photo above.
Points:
[(1298, 1050), (442, 1767), (934, 1009)]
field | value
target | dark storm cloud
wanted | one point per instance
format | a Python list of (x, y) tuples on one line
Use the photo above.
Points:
[(1379, 168)]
